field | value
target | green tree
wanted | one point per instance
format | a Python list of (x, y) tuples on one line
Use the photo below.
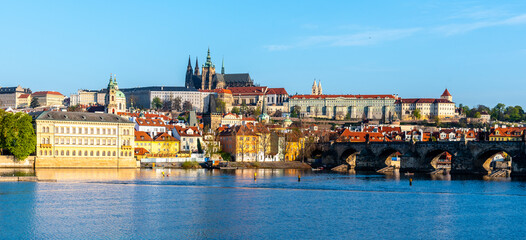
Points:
[(348, 116), (243, 108), (477, 115), (156, 103), (417, 114), (235, 110), (34, 103), (17, 134), (295, 111), (257, 112)]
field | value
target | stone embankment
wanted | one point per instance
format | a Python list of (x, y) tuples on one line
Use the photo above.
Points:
[(239, 165), (11, 162)]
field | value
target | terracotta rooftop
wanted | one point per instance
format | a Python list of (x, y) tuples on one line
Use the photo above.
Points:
[(41, 93)]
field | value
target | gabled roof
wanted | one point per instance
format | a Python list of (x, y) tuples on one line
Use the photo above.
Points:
[(164, 137), (277, 91), (142, 136), (446, 93)]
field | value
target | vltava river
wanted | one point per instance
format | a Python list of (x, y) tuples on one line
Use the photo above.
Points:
[(198, 204)]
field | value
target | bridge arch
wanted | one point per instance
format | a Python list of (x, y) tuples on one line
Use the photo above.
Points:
[(437, 160), (349, 156), (494, 162), (391, 157)]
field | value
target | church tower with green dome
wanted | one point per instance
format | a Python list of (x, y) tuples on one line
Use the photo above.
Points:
[(115, 101)]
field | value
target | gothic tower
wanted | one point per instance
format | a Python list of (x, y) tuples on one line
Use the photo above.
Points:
[(208, 72), (196, 71), (189, 78), (314, 88), (320, 90)]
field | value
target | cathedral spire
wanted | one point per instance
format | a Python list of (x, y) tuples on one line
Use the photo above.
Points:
[(196, 70), (223, 66), (208, 62), (189, 63)]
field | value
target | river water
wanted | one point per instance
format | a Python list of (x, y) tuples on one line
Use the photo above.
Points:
[(230, 204)]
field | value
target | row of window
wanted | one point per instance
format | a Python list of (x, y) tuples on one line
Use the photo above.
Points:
[(85, 130), (85, 141), (86, 153)]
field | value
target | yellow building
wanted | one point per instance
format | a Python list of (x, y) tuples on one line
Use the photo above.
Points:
[(49, 98), (162, 145), (241, 142), (83, 140), (294, 145)]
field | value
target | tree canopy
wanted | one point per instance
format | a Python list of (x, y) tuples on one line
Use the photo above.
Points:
[(17, 134)]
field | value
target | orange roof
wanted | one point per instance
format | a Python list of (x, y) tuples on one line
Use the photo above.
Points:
[(142, 136), (185, 131), (150, 122), (341, 96), (25, 95), (140, 151), (446, 93), (42, 93), (164, 137)]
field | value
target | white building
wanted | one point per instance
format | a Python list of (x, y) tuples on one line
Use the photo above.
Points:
[(188, 137)]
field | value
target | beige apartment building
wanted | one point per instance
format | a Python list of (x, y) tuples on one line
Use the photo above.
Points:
[(83, 140)]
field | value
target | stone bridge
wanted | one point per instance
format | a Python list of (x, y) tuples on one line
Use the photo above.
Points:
[(467, 157)]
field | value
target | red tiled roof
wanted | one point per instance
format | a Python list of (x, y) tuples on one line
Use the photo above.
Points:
[(278, 91), (25, 95), (140, 151), (42, 93), (248, 90), (164, 137), (446, 93), (342, 96), (150, 122), (142, 136)]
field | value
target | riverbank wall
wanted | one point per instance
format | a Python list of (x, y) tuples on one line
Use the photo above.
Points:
[(85, 162), (239, 165), (11, 162)]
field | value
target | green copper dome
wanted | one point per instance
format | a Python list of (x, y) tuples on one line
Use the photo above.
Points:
[(120, 94)]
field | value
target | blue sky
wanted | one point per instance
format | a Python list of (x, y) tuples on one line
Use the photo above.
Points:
[(477, 49)]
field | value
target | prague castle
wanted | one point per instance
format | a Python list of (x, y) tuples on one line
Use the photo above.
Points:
[(208, 79)]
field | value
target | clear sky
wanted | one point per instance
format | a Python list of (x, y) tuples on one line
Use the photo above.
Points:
[(477, 49)]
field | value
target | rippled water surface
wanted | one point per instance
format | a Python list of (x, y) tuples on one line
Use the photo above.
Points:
[(197, 204)]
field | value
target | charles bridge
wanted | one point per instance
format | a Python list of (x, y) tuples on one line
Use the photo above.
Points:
[(472, 157)]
